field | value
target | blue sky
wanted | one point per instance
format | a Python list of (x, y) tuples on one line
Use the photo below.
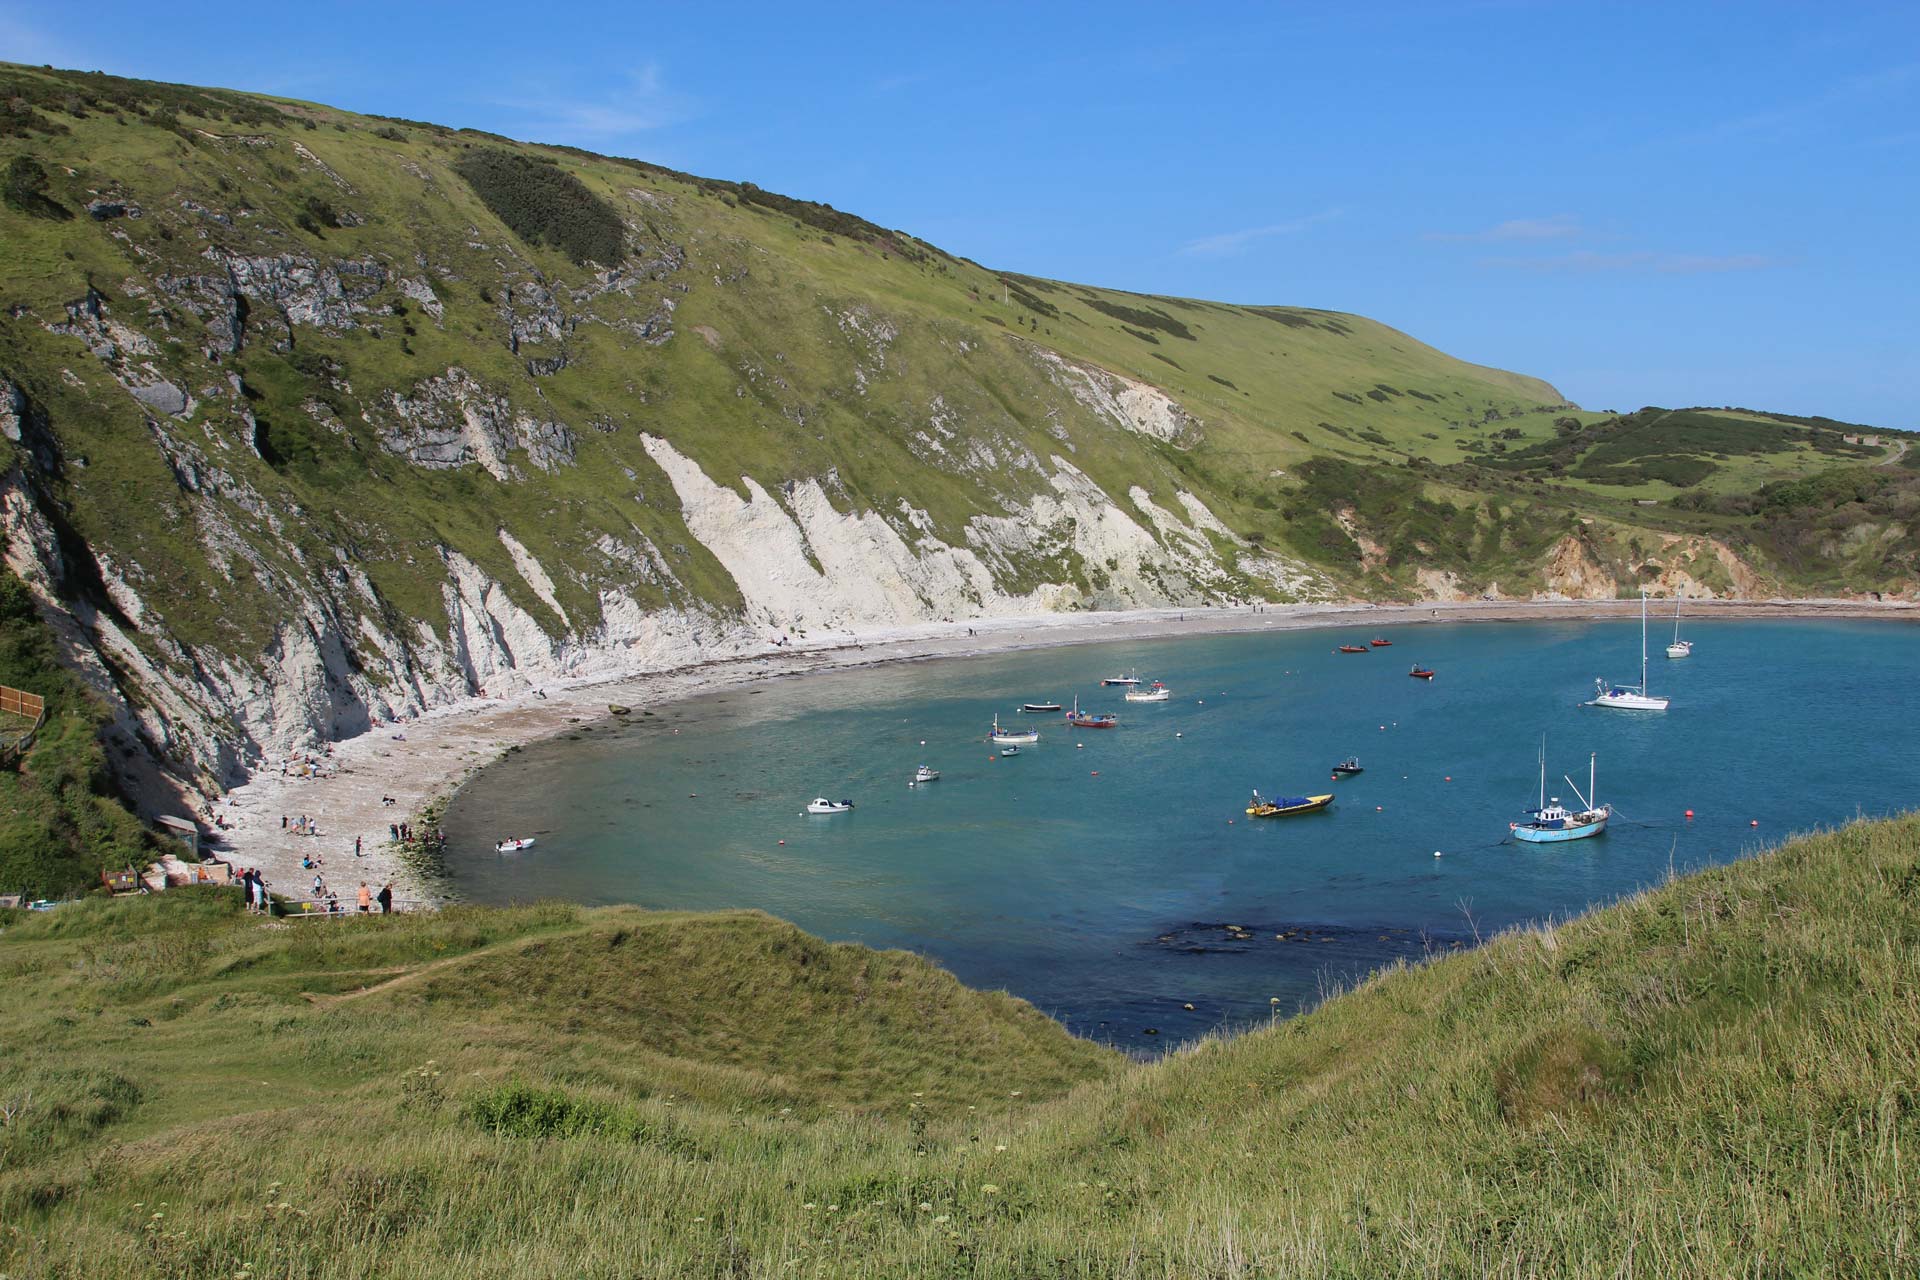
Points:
[(1645, 204)]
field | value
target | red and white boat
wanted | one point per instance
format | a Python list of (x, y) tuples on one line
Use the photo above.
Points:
[(1352, 648), (1381, 644)]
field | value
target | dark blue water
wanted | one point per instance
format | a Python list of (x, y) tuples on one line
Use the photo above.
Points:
[(1099, 882)]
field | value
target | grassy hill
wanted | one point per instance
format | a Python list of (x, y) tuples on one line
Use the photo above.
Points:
[(422, 409), (1714, 1078)]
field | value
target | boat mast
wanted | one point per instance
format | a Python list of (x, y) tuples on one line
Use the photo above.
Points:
[(1543, 772), (1676, 619), (1643, 644)]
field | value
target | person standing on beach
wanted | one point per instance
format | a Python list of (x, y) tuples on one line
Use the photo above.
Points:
[(366, 899), (385, 898), (356, 846)]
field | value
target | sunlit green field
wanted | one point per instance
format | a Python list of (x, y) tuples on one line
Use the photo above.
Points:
[(1715, 1078)]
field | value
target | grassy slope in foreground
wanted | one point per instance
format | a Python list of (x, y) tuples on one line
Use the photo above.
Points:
[(1716, 1077)]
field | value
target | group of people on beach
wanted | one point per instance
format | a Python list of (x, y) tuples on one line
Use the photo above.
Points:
[(366, 898)]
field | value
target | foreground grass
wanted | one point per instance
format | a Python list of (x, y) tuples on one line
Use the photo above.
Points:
[(1715, 1078)]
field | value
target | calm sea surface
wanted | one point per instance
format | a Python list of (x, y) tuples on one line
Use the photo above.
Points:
[(1097, 880)]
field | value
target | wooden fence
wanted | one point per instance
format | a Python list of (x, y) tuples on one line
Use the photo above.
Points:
[(22, 703), (27, 706)]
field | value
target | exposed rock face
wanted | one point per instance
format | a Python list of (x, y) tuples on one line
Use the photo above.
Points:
[(452, 420), (303, 291), (802, 562), (1120, 400), (417, 288)]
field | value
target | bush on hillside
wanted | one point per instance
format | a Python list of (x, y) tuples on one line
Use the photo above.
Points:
[(544, 204), (24, 188)]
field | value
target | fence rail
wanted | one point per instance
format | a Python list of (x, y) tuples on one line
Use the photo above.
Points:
[(344, 909), (22, 703)]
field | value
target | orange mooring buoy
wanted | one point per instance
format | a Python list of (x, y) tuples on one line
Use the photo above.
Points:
[(1689, 815)]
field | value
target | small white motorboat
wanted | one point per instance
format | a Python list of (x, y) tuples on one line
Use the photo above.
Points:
[(1156, 693), (1123, 682), (820, 804), (514, 846), (1009, 751), (924, 774)]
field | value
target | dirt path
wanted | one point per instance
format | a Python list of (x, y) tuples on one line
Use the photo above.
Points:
[(404, 975)]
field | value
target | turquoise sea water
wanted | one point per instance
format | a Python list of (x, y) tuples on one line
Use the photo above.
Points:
[(1097, 880)]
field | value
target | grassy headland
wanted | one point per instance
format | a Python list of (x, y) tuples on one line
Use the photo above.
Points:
[(1716, 1077)]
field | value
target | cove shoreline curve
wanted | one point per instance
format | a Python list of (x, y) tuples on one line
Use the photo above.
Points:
[(434, 754)]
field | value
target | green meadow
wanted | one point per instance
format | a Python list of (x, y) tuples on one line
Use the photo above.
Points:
[(1713, 1078)]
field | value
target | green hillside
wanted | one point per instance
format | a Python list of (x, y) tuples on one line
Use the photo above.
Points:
[(1715, 1078), (310, 420)]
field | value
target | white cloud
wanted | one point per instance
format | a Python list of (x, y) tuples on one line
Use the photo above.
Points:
[(1231, 242), (1641, 260), (644, 103), (1560, 226)]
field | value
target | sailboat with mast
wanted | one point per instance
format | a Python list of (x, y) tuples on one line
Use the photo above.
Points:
[(1621, 697), (1679, 648), (1553, 822)]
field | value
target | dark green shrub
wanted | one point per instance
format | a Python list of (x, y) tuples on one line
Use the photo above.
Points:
[(544, 204)]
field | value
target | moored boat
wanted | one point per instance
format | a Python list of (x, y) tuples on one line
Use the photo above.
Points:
[(1352, 648), (514, 846), (1348, 767), (1679, 648), (1421, 673), (1380, 644), (820, 804), (1286, 806), (1009, 751), (1036, 707), (924, 774), (1553, 822), (1621, 697), (1003, 737), (1123, 681), (1158, 693), (1088, 720)]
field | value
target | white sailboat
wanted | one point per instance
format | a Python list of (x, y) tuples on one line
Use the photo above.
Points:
[(1619, 697), (1679, 648)]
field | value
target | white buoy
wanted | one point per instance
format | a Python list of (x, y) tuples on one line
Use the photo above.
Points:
[(1436, 853)]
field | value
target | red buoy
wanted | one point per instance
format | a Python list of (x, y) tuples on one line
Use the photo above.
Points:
[(1689, 815), (1754, 823)]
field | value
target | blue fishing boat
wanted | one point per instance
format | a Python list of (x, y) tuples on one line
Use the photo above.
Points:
[(1553, 822)]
